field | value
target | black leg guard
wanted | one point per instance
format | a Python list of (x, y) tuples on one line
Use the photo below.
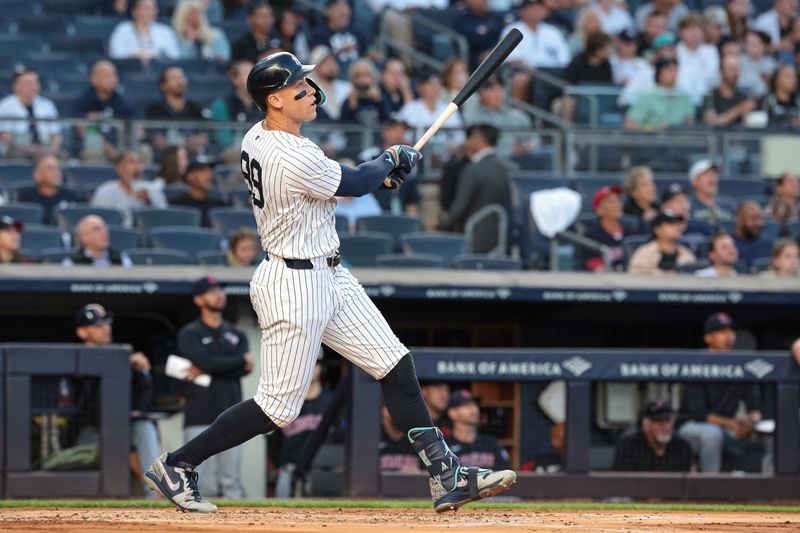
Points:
[(403, 398), (236, 425), (442, 464)]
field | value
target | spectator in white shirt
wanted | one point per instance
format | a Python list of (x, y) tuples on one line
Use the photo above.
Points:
[(25, 138), (698, 63), (777, 23), (723, 256), (543, 45), (673, 10), (143, 37), (625, 64), (128, 193), (613, 18)]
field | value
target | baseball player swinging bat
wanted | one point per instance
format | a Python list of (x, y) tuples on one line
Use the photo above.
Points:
[(488, 67)]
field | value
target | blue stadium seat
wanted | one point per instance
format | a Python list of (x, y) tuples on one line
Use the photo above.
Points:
[(394, 225), (240, 196), (174, 190), (362, 249), (56, 64), (68, 217), (69, 7), (87, 178), (526, 185), (91, 27), (445, 245), (226, 220), (409, 261), (25, 212), (793, 230), (123, 238), (187, 239), (17, 45), (485, 262), (54, 255), (40, 25), (342, 225), (38, 239), (632, 242), (738, 187), (15, 174), (158, 256), (149, 218), (770, 230), (762, 264), (212, 257)]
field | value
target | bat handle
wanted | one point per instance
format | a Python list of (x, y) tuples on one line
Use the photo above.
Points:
[(436, 126)]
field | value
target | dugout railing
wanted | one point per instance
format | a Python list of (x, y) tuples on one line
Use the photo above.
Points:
[(65, 428), (581, 369)]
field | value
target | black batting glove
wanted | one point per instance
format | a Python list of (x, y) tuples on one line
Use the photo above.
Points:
[(394, 180), (403, 157)]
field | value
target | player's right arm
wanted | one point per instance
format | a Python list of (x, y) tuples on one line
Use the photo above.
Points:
[(370, 175)]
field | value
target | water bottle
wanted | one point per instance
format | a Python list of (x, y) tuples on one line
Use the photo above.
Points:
[(64, 396)]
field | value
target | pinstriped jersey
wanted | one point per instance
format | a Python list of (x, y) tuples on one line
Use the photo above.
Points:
[(291, 185)]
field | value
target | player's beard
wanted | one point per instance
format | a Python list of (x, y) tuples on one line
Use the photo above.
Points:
[(215, 309)]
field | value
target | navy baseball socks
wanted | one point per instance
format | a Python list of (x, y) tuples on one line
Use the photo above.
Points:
[(451, 484), (172, 475)]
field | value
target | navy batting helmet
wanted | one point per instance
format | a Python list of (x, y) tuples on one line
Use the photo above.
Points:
[(275, 72)]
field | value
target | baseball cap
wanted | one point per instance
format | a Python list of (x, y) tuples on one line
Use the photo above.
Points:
[(626, 36), (197, 164), (666, 217), (319, 54), (658, 410), (663, 39), (426, 75), (716, 15), (699, 167), (461, 397), (92, 315), (526, 3), (203, 285), (672, 191), (718, 322), (8, 222), (602, 192)]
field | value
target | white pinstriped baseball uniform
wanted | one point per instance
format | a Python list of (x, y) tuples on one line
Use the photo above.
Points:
[(292, 185)]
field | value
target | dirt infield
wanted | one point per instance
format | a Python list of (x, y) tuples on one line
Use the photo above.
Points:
[(334, 520)]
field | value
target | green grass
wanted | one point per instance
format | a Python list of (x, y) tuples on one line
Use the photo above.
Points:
[(394, 504)]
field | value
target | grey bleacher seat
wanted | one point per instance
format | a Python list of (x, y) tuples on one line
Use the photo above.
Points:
[(158, 256), (55, 64), (95, 27), (25, 212), (78, 45), (68, 217), (395, 225), (54, 255), (342, 225), (409, 260), (86, 178), (485, 262), (226, 220), (123, 238), (15, 174), (445, 245), (188, 239), (149, 218), (40, 25), (738, 187), (233, 28), (18, 45), (362, 249), (41, 238), (212, 257)]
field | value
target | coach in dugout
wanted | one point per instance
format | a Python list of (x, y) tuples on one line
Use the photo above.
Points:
[(465, 441), (654, 446), (216, 348)]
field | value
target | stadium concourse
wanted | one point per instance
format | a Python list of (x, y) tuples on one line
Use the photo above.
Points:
[(629, 179)]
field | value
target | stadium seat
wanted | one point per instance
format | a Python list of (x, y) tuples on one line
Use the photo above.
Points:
[(174, 190), (362, 249), (15, 174), (95, 27), (524, 186), (739, 187), (18, 45), (445, 245), (54, 255), (212, 257), (226, 220), (410, 261), (150, 218), (342, 226), (68, 217), (632, 242), (485, 262), (86, 178), (123, 238), (395, 225), (793, 230), (240, 196), (25, 212), (762, 265), (770, 230), (40, 25), (158, 256), (188, 239), (69, 7), (41, 238), (691, 268)]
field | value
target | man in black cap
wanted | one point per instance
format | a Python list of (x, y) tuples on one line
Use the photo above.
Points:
[(200, 179), (93, 327), (10, 241), (664, 253), (675, 198), (714, 427), (216, 348), (653, 446), (480, 450)]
